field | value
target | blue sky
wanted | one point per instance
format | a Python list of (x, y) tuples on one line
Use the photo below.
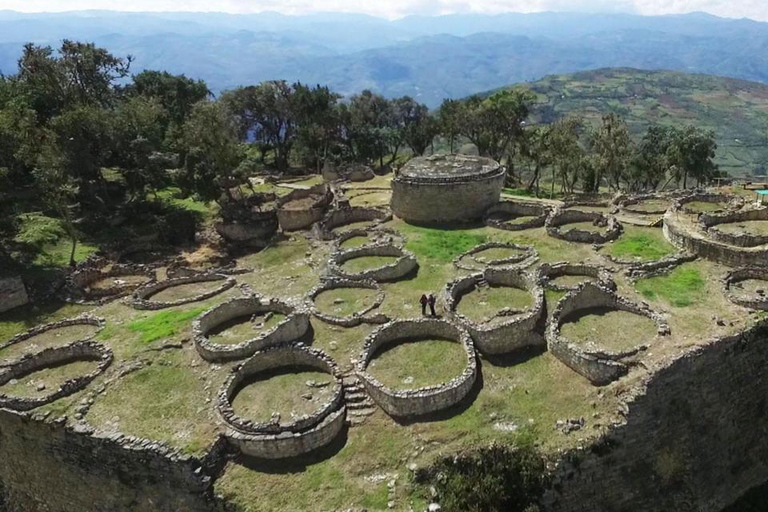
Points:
[(755, 9)]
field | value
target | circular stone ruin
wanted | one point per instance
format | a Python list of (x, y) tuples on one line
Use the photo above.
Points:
[(339, 310), (63, 332), (565, 277), (355, 238), (646, 204), (601, 359), (745, 228), (242, 326), (583, 227), (748, 287), (417, 400), (302, 208), (179, 291), (284, 368), (379, 263), (517, 323), (341, 220), (99, 282), (704, 202), (516, 216), (446, 189), (66, 369), (497, 255)]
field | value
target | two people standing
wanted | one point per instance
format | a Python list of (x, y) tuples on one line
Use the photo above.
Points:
[(428, 301)]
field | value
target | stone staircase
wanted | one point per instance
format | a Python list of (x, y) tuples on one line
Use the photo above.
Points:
[(482, 284), (359, 404), (656, 223)]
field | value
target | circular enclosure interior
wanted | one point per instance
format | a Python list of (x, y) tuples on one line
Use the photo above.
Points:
[(582, 226), (516, 216), (499, 255), (283, 402), (748, 287), (416, 367), (239, 327), (376, 262), (356, 238), (44, 377), (344, 301), (55, 334), (179, 291), (745, 228), (568, 276)]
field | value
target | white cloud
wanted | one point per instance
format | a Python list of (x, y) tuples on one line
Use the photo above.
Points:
[(756, 9)]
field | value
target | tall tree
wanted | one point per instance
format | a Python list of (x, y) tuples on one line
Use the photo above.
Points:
[(692, 153), (611, 148), (450, 118), (568, 156), (177, 94), (494, 123), (318, 123)]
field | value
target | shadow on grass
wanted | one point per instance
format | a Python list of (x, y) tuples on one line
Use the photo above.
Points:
[(515, 358), (296, 464)]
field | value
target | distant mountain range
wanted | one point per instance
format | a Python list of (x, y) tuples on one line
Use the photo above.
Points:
[(429, 58)]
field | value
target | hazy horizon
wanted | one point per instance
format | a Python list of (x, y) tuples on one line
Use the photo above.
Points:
[(752, 9)]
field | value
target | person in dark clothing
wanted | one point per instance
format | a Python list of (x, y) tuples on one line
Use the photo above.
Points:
[(432, 302), (424, 301)]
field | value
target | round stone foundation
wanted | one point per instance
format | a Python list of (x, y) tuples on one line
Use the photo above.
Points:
[(445, 189), (278, 439), (365, 315), (551, 271), (713, 224), (403, 266), (333, 224), (599, 365), (54, 357), (511, 329), (417, 402), (516, 216), (525, 256), (557, 226), (291, 328), (757, 301), (142, 298)]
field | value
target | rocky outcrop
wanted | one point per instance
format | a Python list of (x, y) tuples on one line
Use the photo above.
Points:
[(13, 293)]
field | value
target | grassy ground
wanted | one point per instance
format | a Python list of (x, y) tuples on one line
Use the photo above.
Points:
[(483, 304), (20, 320), (753, 227), (683, 287), (511, 219), (418, 363), (747, 288), (363, 224), (355, 241), (282, 392), (609, 329), (496, 253), (157, 326), (645, 244), (185, 291), (345, 301), (377, 198), (54, 338), (245, 328), (571, 281), (651, 205), (702, 206), (363, 263)]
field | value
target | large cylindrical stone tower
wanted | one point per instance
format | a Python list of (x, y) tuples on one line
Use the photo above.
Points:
[(443, 189)]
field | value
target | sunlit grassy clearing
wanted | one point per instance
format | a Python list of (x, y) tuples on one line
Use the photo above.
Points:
[(681, 288)]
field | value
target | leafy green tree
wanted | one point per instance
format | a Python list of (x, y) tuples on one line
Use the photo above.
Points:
[(318, 121), (611, 149), (417, 126), (450, 118), (59, 191), (652, 159), (535, 149), (569, 160), (367, 123), (493, 124), (692, 154), (177, 94)]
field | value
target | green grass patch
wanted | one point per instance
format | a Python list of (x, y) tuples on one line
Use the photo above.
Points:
[(683, 287), (163, 325), (172, 196), (415, 364), (441, 246), (647, 244)]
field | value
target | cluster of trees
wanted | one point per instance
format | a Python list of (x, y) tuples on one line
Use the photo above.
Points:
[(73, 120)]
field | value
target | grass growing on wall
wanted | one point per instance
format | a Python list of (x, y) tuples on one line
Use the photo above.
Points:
[(163, 325), (683, 287)]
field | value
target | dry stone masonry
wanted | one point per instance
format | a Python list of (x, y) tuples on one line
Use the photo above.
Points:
[(404, 265), (523, 257), (512, 330), (548, 272), (757, 301), (557, 226), (417, 402), (595, 363), (292, 328), (365, 315), (446, 189), (343, 216), (710, 223), (51, 357), (142, 298), (302, 208), (94, 270), (501, 215), (276, 439)]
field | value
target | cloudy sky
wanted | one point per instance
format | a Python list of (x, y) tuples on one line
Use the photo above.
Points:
[(756, 9)]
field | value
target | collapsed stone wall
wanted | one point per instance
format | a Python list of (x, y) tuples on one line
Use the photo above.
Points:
[(417, 402), (376, 236), (527, 256), (405, 264), (292, 328), (759, 302), (688, 240), (358, 317), (13, 293), (342, 216), (710, 223), (347, 172), (538, 211), (597, 364), (48, 465), (274, 439), (92, 271), (548, 272), (562, 217), (142, 297), (691, 440), (521, 328), (295, 219)]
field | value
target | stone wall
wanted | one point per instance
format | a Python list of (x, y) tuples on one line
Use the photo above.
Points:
[(557, 226), (495, 215), (759, 302), (527, 256), (13, 293), (405, 264), (692, 440), (47, 465), (417, 402), (342, 216), (684, 238), (710, 223), (599, 365), (358, 317), (142, 297), (551, 271), (292, 328), (445, 201), (294, 219), (518, 329), (732, 202)]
